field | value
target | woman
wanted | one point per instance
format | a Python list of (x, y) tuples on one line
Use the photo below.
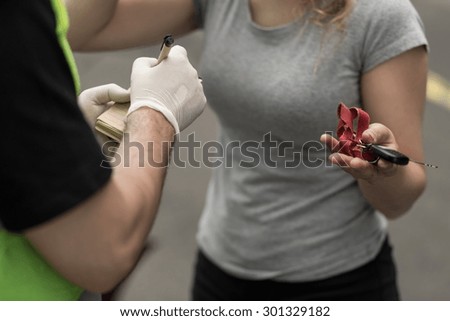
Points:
[(274, 72)]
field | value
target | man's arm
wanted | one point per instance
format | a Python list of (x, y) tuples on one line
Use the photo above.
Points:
[(97, 243), (117, 24)]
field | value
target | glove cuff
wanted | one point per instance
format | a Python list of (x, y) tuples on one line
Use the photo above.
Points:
[(158, 106)]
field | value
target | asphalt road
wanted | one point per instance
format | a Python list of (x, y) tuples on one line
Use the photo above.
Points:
[(421, 239)]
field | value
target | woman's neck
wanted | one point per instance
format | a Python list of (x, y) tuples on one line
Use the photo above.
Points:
[(273, 13)]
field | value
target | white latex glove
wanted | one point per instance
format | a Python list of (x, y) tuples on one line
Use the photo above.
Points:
[(94, 101), (172, 88)]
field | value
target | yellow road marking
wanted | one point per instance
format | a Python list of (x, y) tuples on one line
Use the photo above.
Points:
[(438, 90)]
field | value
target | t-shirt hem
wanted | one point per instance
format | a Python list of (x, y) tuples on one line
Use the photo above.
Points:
[(360, 258)]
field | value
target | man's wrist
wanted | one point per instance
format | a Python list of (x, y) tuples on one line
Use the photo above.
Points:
[(148, 139), (149, 121), (157, 105)]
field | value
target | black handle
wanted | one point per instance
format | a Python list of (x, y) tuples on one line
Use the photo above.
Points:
[(390, 155)]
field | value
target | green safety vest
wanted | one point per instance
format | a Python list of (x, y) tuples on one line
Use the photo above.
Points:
[(24, 274)]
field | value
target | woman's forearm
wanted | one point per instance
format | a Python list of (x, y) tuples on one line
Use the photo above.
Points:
[(394, 195)]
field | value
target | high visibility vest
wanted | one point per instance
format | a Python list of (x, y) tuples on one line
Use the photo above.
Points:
[(24, 274)]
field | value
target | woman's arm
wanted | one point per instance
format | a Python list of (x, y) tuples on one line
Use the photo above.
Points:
[(118, 24), (394, 95)]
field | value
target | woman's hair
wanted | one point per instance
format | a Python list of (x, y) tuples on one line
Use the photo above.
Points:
[(327, 13)]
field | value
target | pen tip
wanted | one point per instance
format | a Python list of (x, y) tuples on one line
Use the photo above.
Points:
[(168, 40)]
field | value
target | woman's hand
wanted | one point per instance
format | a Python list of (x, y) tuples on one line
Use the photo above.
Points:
[(360, 168)]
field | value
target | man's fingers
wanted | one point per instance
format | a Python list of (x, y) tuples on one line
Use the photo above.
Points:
[(178, 51), (104, 94), (118, 94), (144, 63)]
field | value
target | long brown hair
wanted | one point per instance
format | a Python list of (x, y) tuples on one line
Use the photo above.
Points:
[(328, 13)]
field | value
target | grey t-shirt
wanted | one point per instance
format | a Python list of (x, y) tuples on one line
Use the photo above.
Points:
[(276, 219)]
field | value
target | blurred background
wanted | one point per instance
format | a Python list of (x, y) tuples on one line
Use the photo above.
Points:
[(421, 239)]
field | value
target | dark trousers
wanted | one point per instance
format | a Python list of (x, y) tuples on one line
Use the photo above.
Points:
[(374, 281)]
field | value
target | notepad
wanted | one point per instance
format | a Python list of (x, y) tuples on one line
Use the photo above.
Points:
[(112, 122)]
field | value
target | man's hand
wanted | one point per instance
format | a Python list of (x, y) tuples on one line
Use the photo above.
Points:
[(94, 101), (172, 88)]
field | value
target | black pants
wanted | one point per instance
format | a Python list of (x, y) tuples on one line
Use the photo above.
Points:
[(374, 281)]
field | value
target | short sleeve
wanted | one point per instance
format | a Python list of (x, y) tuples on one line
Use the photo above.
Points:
[(393, 27), (50, 159)]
